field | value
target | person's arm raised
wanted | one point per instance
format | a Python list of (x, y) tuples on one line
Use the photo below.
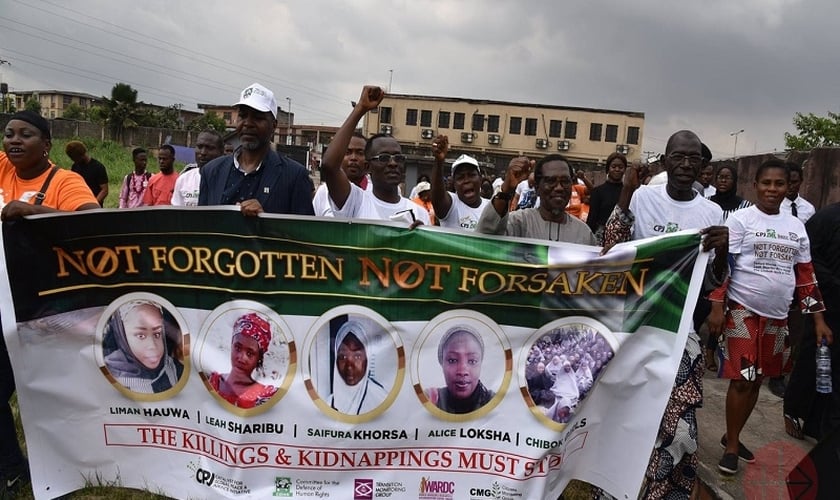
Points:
[(441, 201), (337, 182)]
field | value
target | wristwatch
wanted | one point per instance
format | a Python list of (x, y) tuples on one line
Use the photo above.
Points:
[(506, 196)]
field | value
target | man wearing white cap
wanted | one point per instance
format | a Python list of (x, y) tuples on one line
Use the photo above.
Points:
[(461, 209), (255, 177), (386, 164)]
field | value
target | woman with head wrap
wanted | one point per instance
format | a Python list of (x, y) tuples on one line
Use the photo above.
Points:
[(140, 359), (355, 391), (565, 386), (29, 184), (248, 345), (460, 354), (726, 183)]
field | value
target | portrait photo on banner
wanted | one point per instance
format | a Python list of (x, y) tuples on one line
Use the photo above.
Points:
[(463, 365), (245, 356), (356, 364), (143, 347), (561, 364)]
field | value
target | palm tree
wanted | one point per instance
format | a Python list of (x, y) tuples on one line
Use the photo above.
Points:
[(121, 109)]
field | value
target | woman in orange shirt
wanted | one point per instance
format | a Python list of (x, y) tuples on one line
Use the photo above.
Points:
[(29, 184)]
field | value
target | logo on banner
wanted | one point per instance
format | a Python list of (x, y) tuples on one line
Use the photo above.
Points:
[(363, 489), (282, 487), (431, 489)]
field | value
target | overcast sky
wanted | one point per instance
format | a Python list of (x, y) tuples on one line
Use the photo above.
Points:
[(713, 66)]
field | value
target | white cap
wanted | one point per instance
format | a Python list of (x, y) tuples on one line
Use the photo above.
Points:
[(423, 186), (260, 98), (465, 160)]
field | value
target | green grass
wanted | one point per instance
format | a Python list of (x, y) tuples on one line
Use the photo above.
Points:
[(116, 158)]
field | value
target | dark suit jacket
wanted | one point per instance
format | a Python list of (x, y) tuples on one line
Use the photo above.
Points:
[(285, 186)]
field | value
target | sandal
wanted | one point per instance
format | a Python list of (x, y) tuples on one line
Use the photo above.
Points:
[(793, 427), (710, 361)]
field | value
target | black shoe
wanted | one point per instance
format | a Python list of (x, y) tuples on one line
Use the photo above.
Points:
[(14, 480), (777, 386), (743, 453), (728, 463)]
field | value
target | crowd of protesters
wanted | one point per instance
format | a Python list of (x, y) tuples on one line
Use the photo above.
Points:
[(748, 336)]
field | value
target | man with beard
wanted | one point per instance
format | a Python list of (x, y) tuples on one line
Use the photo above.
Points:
[(162, 184), (255, 177), (384, 158), (644, 212), (461, 209), (208, 146), (553, 180), (354, 167)]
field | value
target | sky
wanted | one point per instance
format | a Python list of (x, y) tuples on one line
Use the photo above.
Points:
[(714, 67)]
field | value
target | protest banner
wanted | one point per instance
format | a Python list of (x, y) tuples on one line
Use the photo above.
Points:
[(200, 353)]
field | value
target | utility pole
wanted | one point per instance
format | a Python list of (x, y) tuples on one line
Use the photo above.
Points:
[(736, 134), (390, 79), (4, 87), (289, 141)]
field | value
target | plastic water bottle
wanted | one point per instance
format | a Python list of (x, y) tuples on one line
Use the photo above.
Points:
[(823, 369)]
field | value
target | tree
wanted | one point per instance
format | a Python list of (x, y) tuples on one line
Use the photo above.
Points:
[(209, 120), (814, 131), (33, 105), (74, 112), (121, 109)]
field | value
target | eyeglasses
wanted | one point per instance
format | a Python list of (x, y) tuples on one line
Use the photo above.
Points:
[(387, 157), (724, 177), (551, 182), (679, 159)]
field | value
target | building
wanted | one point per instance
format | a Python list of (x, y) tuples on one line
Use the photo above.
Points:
[(54, 102), (496, 131)]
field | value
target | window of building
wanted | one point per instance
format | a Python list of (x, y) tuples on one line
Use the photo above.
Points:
[(571, 130), (611, 134), (411, 116), (493, 123), (52, 101), (227, 116), (67, 100), (554, 128), (478, 122), (632, 135), (515, 125), (426, 118), (530, 126), (595, 131), (443, 119), (458, 121), (384, 114)]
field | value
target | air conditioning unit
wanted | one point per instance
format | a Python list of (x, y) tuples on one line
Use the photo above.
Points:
[(563, 145), (386, 129), (542, 143), (467, 137), (622, 148), (494, 139), (427, 133)]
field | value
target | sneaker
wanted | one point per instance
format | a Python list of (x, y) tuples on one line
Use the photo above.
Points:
[(14, 481), (728, 463), (743, 453)]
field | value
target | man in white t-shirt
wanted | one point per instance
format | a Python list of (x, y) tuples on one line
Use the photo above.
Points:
[(526, 194), (646, 211), (461, 209), (386, 165), (208, 146), (354, 166)]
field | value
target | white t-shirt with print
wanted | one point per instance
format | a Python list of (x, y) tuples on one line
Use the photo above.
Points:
[(657, 213), (765, 248), (363, 204), (185, 193), (321, 200), (462, 216)]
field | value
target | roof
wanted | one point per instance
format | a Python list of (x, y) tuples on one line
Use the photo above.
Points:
[(61, 92)]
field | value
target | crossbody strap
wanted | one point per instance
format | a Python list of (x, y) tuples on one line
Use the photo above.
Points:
[(42, 193)]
